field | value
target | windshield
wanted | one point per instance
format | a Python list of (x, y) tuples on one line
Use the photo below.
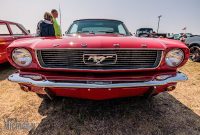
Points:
[(98, 27)]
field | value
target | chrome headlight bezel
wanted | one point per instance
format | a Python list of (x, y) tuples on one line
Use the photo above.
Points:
[(21, 57), (174, 57)]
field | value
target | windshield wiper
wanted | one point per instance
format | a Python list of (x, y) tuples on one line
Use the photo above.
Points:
[(106, 31), (85, 32), (112, 32)]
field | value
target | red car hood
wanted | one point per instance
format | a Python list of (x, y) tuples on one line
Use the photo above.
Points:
[(99, 42), (95, 41)]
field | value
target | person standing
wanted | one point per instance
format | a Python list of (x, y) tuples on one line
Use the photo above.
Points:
[(57, 28), (45, 27)]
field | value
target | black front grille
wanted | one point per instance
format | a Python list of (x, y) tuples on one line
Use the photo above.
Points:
[(74, 59)]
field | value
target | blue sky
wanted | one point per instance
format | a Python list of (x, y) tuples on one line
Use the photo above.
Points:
[(135, 13)]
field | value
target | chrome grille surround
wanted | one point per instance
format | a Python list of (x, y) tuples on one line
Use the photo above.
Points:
[(127, 59)]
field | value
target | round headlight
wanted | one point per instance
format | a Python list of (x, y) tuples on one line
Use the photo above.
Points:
[(174, 57), (22, 57)]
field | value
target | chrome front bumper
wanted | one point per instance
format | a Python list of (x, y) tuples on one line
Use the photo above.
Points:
[(50, 84)]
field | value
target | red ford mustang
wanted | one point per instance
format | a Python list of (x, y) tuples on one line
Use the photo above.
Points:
[(10, 31), (98, 59)]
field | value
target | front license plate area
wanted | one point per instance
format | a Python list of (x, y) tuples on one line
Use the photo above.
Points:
[(99, 82)]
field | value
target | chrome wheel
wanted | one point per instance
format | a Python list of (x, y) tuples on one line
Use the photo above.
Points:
[(195, 53)]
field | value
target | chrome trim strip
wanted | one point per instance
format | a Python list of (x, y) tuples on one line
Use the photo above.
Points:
[(50, 84), (161, 59), (159, 49)]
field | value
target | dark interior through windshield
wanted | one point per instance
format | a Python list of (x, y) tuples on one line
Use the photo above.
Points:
[(98, 27)]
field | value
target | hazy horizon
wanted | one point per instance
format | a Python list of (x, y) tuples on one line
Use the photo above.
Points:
[(176, 14)]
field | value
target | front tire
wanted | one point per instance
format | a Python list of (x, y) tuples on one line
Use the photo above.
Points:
[(195, 53)]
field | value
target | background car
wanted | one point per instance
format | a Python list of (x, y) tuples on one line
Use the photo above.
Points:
[(181, 35), (10, 31), (149, 32), (194, 44), (144, 32)]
